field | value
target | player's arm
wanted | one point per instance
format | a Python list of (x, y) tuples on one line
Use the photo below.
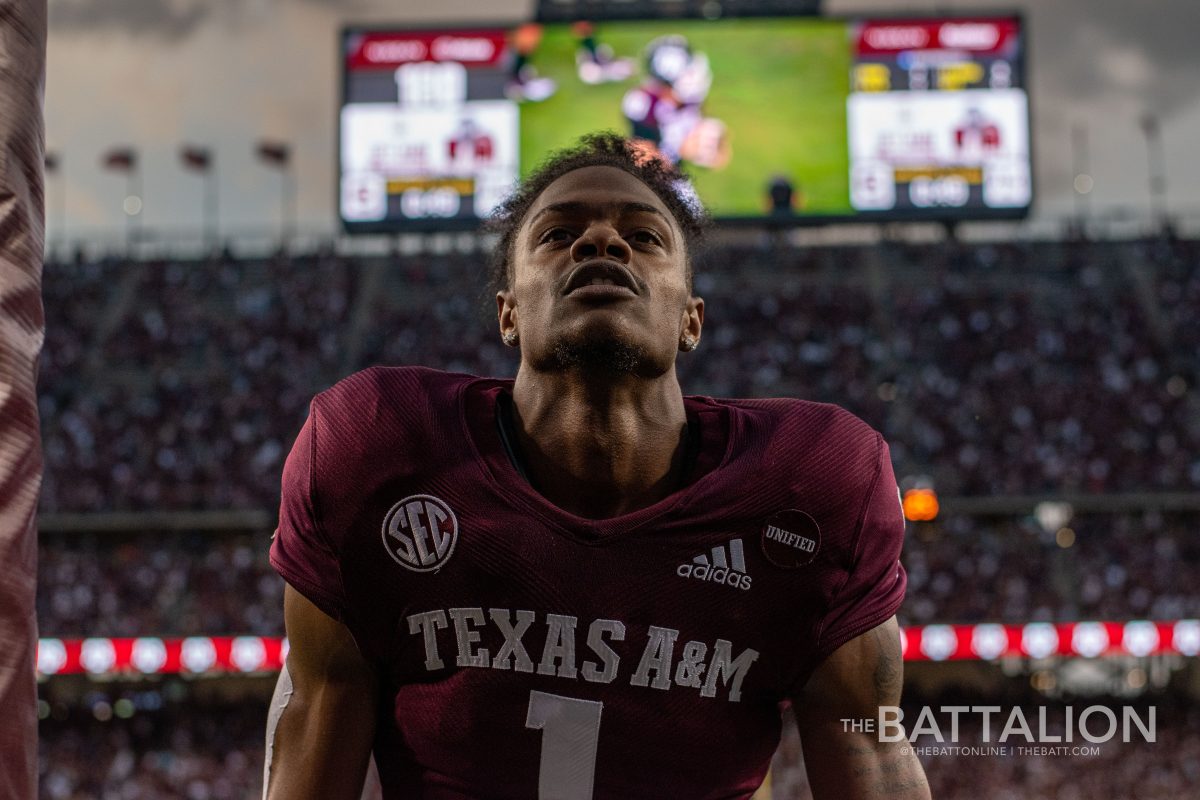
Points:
[(860, 676), (321, 728)]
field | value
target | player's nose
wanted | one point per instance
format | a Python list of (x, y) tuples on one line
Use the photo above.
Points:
[(601, 239)]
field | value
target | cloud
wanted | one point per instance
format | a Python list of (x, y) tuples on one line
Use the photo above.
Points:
[(171, 20), (1117, 48)]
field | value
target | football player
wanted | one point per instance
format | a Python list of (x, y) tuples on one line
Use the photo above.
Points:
[(595, 62), (666, 109), (976, 136), (525, 84), (469, 145), (582, 583)]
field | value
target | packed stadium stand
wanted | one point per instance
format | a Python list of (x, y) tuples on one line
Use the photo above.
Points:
[(1003, 375), (1121, 566), (1011, 369), (213, 751)]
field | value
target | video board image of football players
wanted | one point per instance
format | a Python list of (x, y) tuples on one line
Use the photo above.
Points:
[(470, 145), (526, 84), (595, 62), (666, 109), (977, 136)]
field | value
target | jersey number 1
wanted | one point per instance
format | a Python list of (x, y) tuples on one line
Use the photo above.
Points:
[(570, 734)]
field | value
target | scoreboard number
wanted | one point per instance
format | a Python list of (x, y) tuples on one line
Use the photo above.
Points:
[(872, 186), (570, 736), (425, 84), (364, 196), (1006, 184), (416, 203), (949, 191)]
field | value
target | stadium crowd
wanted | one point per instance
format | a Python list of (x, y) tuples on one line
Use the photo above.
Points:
[(196, 584), (1117, 567), (1011, 369), (214, 752), (198, 375), (1102, 567), (188, 752)]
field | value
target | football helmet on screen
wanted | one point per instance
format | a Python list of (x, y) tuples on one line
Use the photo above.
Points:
[(667, 58)]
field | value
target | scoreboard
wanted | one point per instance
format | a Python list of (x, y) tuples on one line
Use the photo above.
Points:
[(860, 118), (938, 116), (426, 129)]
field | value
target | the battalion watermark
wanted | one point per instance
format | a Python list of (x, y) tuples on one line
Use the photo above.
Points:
[(999, 731)]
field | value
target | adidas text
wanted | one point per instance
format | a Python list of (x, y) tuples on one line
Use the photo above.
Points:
[(717, 575), (721, 568)]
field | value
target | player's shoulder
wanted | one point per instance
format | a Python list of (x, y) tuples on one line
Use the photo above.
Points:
[(389, 386), (793, 421), (815, 438), (383, 408)]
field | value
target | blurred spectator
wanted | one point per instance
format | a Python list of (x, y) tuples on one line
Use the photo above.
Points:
[(158, 584), (193, 752), (1113, 567)]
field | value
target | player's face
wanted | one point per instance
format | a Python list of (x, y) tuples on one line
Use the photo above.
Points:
[(600, 277)]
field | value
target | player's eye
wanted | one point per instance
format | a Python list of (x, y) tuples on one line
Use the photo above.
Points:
[(644, 236), (555, 235)]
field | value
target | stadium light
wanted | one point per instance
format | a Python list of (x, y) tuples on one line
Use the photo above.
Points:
[(125, 160), (920, 504), (277, 155), (1052, 515), (202, 160)]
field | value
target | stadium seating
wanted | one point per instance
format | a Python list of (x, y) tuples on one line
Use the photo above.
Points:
[(1119, 566), (213, 751), (994, 370)]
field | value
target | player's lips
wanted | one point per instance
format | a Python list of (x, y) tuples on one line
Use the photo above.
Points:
[(601, 278)]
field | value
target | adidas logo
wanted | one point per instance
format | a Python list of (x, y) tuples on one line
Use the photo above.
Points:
[(730, 570)]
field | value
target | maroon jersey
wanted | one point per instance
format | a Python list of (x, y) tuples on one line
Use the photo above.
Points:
[(22, 330), (525, 651)]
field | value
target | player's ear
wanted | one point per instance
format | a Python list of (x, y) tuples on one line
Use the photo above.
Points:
[(506, 313), (693, 319)]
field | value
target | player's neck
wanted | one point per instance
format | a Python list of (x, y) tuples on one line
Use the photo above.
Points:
[(601, 449)]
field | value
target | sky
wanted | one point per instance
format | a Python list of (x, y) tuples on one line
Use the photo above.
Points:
[(155, 74)]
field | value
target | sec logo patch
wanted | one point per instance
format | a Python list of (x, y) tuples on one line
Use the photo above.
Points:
[(791, 539), (420, 532)]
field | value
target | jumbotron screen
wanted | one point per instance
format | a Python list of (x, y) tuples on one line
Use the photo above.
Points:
[(795, 117)]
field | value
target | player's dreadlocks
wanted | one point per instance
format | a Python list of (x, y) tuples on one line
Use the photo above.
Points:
[(596, 150)]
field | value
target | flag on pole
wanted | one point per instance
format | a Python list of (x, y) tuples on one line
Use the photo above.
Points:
[(122, 159), (197, 158), (276, 154)]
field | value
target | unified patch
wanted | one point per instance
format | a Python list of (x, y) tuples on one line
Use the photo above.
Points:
[(791, 539)]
